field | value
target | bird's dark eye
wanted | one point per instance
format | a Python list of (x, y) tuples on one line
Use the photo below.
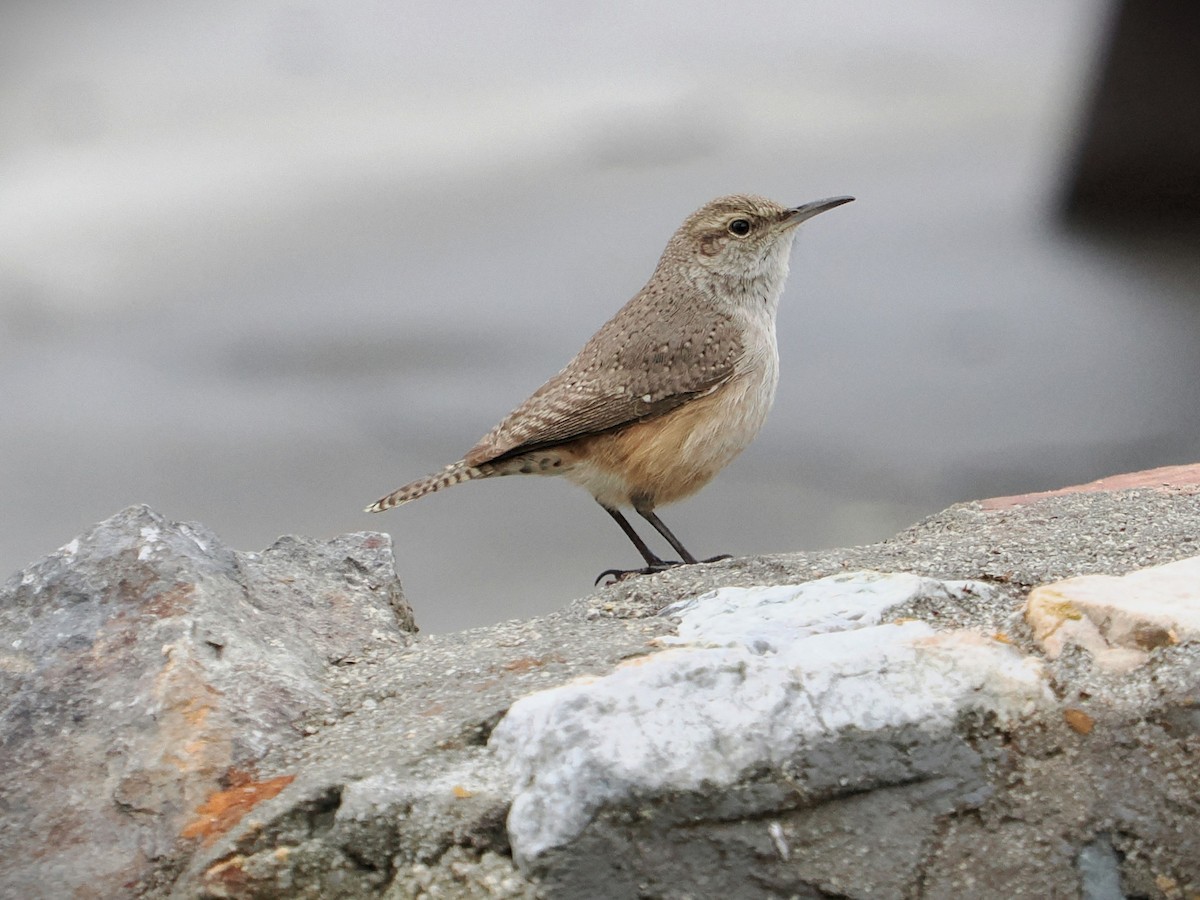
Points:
[(740, 227)]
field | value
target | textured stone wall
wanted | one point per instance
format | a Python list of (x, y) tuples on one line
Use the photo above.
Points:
[(1002, 701)]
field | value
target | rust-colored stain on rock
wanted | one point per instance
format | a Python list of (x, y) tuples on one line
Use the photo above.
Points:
[(228, 876), (1079, 720), (224, 809), (527, 663), (174, 601)]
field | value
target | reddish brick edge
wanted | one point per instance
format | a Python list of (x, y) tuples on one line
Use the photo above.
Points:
[(1164, 478)]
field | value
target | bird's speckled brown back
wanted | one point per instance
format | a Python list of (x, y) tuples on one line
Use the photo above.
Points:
[(655, 355)]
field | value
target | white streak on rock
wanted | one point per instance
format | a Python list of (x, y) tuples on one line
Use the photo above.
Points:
[(760, 617), (775, 830), (151, 537)]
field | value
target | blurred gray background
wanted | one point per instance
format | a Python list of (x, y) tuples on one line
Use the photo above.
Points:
[(262, 263)]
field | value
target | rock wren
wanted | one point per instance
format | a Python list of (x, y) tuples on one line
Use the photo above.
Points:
[(670, 389)]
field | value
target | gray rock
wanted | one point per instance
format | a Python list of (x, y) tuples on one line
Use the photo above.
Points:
[(801, 683), (370, 772), (147, 670)]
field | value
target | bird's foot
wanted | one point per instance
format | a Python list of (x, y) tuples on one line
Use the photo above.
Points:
[(661, 566), (621, 574)]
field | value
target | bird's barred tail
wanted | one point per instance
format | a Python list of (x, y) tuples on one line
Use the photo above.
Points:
[(456, 473)]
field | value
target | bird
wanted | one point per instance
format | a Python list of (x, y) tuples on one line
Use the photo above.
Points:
[(669, 390)]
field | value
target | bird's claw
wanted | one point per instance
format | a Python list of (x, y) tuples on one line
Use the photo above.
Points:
[(619, 575)]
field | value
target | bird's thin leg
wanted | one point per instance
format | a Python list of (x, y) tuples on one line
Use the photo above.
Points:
[(653, 563), (647, 553), (661, 527)]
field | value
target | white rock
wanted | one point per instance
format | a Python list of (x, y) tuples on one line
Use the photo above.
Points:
[(795, 666), (1118, 618), (761, 616)]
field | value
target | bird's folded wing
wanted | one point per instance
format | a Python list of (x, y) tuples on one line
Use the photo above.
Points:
[(618, 379)]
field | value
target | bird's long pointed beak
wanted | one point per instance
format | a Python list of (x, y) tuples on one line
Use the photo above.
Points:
[(806, 211)]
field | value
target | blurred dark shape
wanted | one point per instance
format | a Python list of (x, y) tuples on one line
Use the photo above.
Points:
[(1139, 158)]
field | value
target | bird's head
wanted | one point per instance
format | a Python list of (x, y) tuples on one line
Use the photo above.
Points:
[(743, 236)]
